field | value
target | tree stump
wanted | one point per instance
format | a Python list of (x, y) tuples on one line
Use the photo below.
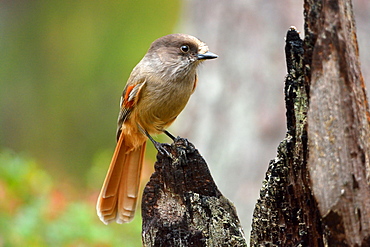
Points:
[(182, 205), (317, 190), (286, 213), (338, 124)]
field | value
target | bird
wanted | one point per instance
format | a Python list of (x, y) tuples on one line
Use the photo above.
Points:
[(156, 91)]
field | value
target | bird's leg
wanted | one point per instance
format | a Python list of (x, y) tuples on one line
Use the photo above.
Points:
[(169, 135), (157, 145)]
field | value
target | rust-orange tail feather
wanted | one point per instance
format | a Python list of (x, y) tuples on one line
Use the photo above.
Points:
[(118, 196)]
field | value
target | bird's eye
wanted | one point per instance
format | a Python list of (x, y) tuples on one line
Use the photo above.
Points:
[(184, 48)]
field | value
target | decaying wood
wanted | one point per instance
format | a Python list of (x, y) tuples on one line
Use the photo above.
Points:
[(317, 190), (286, 213), (182, 205), (338, 124)]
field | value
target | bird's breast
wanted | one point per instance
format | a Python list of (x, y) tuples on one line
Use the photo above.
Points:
[(161, 101)]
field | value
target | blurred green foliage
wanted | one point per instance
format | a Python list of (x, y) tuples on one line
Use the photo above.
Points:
[(36, 211), (63, 67)]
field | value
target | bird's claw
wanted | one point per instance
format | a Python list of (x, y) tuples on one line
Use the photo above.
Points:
[(161, 149)]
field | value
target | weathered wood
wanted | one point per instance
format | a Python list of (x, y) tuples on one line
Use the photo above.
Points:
[(338, 124), (182, 205), (317, 190), (286, 213)]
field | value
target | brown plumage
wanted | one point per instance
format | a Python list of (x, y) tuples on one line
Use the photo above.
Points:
[(156, 92)]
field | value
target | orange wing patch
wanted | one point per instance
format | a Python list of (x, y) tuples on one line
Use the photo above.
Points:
[(128, 101)]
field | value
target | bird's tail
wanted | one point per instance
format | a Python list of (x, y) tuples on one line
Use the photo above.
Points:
[(118, 196)]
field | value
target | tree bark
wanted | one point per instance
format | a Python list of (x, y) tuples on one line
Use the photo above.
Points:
[(286, 213), (182, 205), (338, 124), (316, 192)]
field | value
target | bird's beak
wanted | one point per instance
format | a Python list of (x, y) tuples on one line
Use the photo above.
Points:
[(207, 55)]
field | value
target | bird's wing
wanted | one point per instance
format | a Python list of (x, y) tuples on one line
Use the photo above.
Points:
[(128, 101)]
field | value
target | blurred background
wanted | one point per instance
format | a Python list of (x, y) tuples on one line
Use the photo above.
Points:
[(63, 66)]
